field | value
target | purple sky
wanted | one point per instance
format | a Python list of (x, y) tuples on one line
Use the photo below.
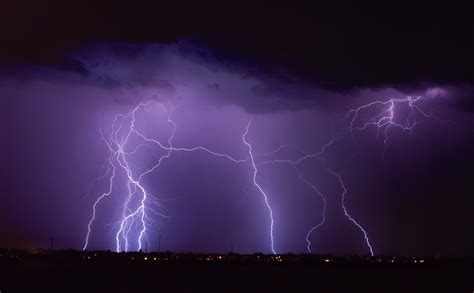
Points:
[(413, 197)]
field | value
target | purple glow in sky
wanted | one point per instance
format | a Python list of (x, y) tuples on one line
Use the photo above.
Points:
[(163, 141)]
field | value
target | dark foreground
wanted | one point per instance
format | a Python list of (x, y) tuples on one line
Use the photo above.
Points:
[(109, 272)]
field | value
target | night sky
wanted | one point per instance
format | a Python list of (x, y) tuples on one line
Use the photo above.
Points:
[(290, 73)]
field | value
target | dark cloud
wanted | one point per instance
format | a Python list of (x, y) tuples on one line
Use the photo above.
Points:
[(463, 96), (335, 46), (188, 68), (294, 51)]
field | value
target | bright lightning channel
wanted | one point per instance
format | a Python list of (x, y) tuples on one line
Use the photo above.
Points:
[(119, 158), (260, 189), (384, 120)]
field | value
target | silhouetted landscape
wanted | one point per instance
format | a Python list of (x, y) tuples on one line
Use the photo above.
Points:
[(65, 270)]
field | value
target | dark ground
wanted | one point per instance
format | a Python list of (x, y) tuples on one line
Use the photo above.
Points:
[(66, 274)]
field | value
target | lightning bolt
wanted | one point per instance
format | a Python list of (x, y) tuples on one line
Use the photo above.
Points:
[(323, 213), (96, 203), (302, 179), (117, 142), (385, 119), (138, 201), (123, 129), (134, 184), (318, 157), (260, 189)]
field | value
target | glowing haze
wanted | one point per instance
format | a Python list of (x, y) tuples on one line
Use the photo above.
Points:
[(178, 143)]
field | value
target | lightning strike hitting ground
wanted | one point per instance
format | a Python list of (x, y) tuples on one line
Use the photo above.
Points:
[(384, 119), (323, 213), (264, 195), (117, 143), (138, 201)]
